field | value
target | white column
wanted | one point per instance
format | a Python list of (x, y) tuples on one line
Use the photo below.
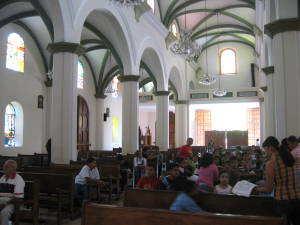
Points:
[(130, 116), (181, 122), (162, 120), (64, 103), (100, 123), (270, 107)]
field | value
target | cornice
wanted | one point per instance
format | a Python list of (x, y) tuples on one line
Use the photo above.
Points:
[(162, 93), (181, 102), (282, 25), (65, 47)]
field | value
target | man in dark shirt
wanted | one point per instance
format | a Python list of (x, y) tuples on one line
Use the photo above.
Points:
[(167, 182)]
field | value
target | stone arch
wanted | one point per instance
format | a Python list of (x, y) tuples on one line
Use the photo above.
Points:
[(176, 81)]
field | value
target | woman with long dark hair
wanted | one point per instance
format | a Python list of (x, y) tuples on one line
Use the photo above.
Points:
[(281, 176)]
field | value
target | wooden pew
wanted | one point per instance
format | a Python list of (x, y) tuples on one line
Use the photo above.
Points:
[(156, 199), (95, 214), (31, 201)]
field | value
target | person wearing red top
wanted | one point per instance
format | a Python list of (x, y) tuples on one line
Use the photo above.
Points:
[(186, 150), (149, 181)]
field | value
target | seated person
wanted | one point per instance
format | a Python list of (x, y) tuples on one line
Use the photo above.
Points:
[(223, 187), (189, 173), (186, 152), (149, 181), (139, 164), (186, 200), (208, 173), (167, 182), (233, 171), (88, 173), (11, 186)]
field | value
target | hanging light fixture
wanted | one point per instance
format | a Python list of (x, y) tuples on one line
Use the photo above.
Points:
[(185, 46), (129, 3), (218, 91), (206, 79)]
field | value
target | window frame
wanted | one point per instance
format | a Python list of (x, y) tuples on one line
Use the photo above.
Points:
[(220, 62), (80, 63), (6, 56)]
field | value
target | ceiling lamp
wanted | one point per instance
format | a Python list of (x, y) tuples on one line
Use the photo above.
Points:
[(127, 2), (219, 92), (186, 47)]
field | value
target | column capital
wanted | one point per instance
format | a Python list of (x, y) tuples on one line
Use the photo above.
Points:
[(161, 93), (264, 89), (100, 96), (65, 47), (181, 102), (282, 25), (268, 70), (128, 78)]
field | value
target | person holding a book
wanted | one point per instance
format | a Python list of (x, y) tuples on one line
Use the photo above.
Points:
[(280, 176)]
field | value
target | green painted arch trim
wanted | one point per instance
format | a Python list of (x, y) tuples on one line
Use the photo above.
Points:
[(108, 78), (214, 13), (91, 41), (144, 82), (220, 26), (17, 17), (225, 32), (94, 48), (129, 78), (150, 73), (65, 47), (107, 43), (224, 35), (268, 70), (161, 93), (228, 41), (37, 43), (103, 66), (40, 11)]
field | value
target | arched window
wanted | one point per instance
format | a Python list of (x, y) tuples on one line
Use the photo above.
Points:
[(115, 83), (151, 3), (13, 125), (174, 30), (228, 61), (15, 53), (80, 76)]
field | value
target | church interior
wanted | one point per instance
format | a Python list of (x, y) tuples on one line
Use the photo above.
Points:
[(113, 110)]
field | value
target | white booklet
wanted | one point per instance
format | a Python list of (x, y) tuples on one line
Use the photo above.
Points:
[(243, 188)]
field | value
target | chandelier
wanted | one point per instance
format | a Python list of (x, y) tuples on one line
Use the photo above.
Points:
[(186, 47), (127, 2), (207, 79), (219, 92)]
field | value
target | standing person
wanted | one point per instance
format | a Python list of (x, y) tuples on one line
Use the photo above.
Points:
[(11, 186), (280, 176), (149, 181), (208, 173), (139, 165), (186, 152), (293, 143), (88, 173)]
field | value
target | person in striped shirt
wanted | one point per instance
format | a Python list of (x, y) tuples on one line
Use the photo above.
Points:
[(11, 186)]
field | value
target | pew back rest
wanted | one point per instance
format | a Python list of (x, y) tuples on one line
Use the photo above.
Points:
[(95, 214), (110, 170)]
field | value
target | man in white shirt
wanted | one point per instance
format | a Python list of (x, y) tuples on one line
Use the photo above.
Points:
[(88, 173), (11, 186)]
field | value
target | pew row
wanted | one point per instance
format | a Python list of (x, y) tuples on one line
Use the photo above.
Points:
[(95, 214), (232, 204)]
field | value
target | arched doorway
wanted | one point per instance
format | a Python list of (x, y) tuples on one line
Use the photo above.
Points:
[(82, 125)]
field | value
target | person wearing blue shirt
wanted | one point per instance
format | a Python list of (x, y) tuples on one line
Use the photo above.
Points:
[(185, 201)]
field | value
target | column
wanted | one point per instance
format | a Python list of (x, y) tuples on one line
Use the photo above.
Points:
[(100, 122), (130, 116), (181, 122), (269, 103), (162, 120), (64, 103), (286, 78)]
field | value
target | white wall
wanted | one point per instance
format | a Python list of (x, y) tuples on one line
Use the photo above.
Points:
[(147, 117), (23, 88), (245, 56)]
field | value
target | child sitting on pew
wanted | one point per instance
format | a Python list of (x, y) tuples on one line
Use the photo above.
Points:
[(223, 187), (149, 181), (168, 182), (186, 200)]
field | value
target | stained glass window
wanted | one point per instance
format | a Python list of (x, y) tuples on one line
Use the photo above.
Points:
[(115, 83), (15, 53), (151, 3), (228, 61), (174, 30), (80, 76), (10, 126)]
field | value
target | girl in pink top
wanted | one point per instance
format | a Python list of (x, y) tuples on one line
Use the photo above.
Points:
[(208, 173)]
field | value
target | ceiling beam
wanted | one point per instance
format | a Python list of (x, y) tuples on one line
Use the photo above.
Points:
[(228, 41), (225, 32), (17, 17)]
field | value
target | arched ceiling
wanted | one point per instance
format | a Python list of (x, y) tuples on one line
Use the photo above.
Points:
[(211, 21)]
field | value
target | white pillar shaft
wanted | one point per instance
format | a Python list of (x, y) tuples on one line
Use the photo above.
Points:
[(270, 107), (129, 116), (181, 121), (162, 122), (100, 124), (287, 83), (64, 107)]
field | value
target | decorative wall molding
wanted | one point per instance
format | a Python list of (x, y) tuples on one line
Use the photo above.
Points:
[(282, 25), (162, 93), (65, 47), (128, 78), (268, 70)]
